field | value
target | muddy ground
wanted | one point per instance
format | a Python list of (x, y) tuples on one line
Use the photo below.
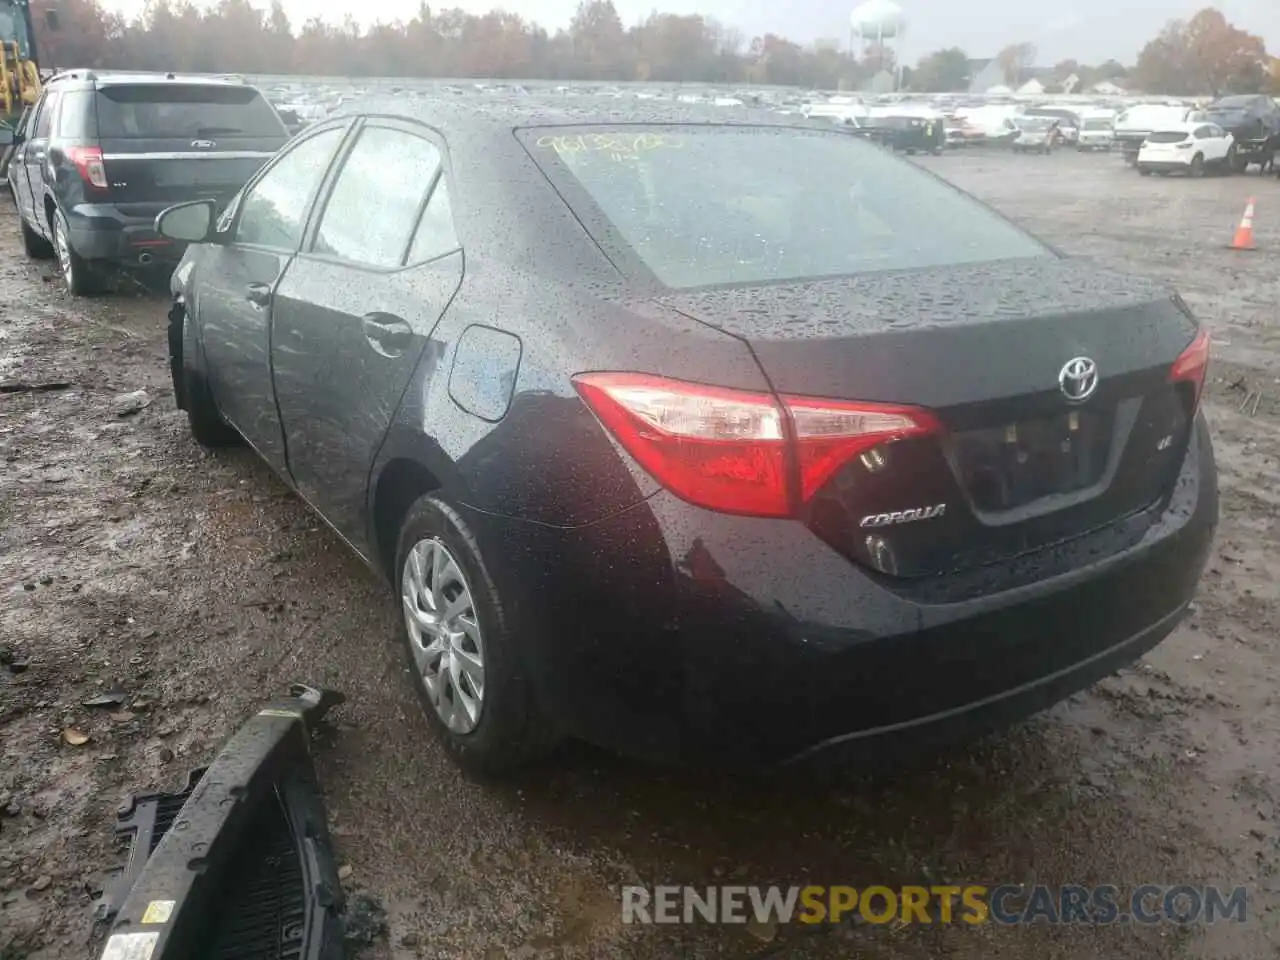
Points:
[(199, 586)]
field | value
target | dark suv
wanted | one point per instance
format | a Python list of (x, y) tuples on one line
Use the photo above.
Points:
[(100, 154)]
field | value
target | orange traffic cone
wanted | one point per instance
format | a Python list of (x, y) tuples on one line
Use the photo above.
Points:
[(1244, 233)]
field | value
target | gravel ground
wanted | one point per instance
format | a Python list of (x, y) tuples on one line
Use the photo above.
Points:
[(199, 586)]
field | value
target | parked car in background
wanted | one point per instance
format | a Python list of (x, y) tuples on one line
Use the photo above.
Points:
[(101, 154), (1134, 125), (1254, 125), (961, 133), (1190, 148), (1096, 131), (993, 121), (1068, 121), (681, 434), (1035, 134)]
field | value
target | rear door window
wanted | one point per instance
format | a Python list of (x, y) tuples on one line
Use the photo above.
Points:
[(77, 120), (161, 111), (274, 210), (435, 235), (376, 199), (44, 119)]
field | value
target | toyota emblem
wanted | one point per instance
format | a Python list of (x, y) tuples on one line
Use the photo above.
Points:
[(1078, 379)]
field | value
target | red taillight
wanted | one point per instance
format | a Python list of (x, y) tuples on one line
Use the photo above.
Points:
[(88, 160), (1192, 365), (733, 450), (829, 433)]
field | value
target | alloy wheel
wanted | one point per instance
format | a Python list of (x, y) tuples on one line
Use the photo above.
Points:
[(64, 254), (444, 634)]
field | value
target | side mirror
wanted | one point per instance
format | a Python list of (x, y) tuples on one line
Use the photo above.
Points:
[(52, 21), (190, 222), (8, 136)]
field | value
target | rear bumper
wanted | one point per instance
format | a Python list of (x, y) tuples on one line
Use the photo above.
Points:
[(682, 635), (1163, 166), (103, 232)]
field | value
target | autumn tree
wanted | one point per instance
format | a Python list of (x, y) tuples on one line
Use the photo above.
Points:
[(942, 71), (1205, 54), (599, 41), (258, 37), (1015, 60)]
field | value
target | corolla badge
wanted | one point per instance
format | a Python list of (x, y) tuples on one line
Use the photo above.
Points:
[(203, 144), (1078, 378), (903, 516)]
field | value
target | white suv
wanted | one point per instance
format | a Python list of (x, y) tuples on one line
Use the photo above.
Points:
[(1187, 147)]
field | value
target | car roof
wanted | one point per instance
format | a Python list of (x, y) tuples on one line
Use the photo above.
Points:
[(1184, 127), (502, 203), (115, 77), (470, 114)]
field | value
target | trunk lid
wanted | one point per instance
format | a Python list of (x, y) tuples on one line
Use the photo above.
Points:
[(164, 143), (1018, 465)]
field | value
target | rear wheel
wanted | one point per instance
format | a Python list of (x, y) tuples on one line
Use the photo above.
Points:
[(1144, 171), (81, 278), (461, 646), (1197, 166), (33, 245)]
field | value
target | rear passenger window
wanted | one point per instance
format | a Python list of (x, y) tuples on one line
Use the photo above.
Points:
[(77, 121), (44, 119), (435, 235), (275, 208), (371, 212)]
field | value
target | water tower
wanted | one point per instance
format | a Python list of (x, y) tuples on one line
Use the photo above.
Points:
[(875, 28)]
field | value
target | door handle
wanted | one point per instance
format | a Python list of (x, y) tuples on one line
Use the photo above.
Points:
[(389, 336), (259, 294)]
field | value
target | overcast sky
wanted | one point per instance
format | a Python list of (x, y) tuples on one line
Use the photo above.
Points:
[(1088, 30)]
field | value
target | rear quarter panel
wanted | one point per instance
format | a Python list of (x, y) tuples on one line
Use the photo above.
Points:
[(548, 460)]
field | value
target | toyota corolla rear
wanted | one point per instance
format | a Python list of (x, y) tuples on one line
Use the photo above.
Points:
[(968, 478)]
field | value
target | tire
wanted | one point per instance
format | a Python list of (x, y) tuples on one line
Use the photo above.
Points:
[(81, 278), (1197, 166), (33, 245), (507, 730), (1144, 171), (191, 392)]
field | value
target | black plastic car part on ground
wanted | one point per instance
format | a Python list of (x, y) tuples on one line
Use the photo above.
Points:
[(238, 865)]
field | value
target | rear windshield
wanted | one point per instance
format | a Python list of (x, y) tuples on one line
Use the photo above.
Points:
[(1097, 124), (1035, 123), (705, 205), (1170, 136), (185, 111)]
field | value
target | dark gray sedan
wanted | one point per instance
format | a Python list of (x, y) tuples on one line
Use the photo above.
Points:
[(732, 442)]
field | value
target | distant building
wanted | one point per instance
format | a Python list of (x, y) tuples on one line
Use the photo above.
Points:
[(1108, 89)]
